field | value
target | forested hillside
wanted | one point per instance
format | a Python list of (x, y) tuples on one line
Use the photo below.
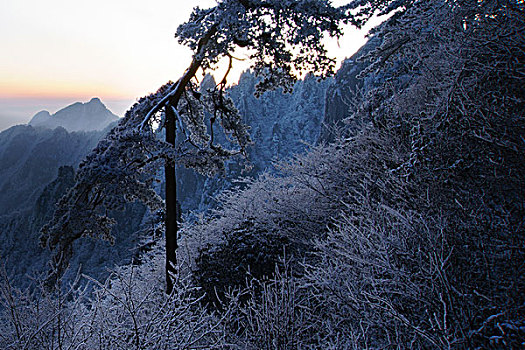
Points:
[(405, 232)]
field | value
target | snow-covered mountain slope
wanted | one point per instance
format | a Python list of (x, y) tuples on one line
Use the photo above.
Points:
[(89, 116), (347, 90)]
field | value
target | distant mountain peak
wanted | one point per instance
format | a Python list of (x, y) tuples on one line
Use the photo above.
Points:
[(89, 116), (40, 118)]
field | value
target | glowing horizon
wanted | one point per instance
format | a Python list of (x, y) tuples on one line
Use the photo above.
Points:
[(111, 48), (53, 90)]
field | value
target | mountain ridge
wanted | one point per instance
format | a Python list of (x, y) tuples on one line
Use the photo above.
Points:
[(79, 116)]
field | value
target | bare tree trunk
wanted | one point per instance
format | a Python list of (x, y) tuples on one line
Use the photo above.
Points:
[(171, 205), (169, 169)]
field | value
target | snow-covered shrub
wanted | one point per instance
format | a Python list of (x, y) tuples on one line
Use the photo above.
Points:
[(382, 279), (247, 252), (39, 319), (419, 218), (457, 125), (130, 310), (273, 313), (253, 225)]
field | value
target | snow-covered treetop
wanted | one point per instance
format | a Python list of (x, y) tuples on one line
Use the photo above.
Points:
[(284, 38)]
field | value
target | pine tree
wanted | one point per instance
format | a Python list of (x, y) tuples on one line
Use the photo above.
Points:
[(283, 39)]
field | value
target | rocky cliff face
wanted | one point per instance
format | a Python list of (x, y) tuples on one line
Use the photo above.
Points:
[(45, 204), (36, 168), (281, 124), (20, 232), (30, 158)]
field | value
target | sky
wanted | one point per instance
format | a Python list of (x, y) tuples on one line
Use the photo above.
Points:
[(57, 52)]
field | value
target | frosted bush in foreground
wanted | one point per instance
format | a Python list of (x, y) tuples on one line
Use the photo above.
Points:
[(277, 313), (129, 311), (38, 319)]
